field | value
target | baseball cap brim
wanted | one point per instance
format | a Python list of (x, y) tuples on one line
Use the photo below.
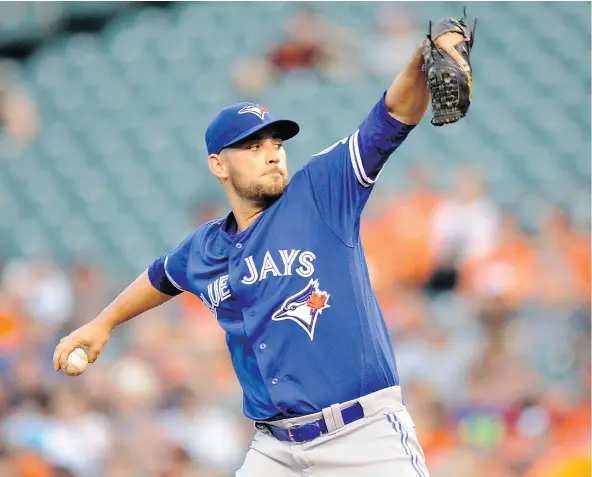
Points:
[(286, 128)]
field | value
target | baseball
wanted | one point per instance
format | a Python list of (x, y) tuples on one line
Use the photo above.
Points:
[(77, 362)]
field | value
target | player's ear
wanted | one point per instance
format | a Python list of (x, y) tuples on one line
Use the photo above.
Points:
[(218, 166)]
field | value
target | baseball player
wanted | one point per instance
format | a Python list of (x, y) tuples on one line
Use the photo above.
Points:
[(285, 276)]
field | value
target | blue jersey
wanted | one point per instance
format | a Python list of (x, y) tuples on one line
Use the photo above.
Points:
[(292, 291)]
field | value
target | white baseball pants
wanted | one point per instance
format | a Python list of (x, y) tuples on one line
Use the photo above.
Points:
[(381, 444)]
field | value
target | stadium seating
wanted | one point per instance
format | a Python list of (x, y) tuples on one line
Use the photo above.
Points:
[(121, 154), (27, 22)]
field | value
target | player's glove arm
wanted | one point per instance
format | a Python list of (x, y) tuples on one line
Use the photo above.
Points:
[(408, 97), (440, 71), (377, 138)]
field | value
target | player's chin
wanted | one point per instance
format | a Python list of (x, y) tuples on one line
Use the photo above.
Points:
[(275, 183), (272, 192), (275, 192)]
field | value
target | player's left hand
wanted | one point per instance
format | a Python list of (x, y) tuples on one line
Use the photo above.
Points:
[(447, 65), (447, 43)]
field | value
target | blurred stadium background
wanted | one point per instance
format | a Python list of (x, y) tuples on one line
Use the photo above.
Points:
[(477, 234)]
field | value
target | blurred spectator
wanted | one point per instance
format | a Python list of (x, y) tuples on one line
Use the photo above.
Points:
[(90, 292), (408, 220), (43, 288), (310, 42), (395, 233), (563, 461), (12, 323), (204, 430), (395, 38), (563, 261), (62, 472), (465, 227), (431, 354), (8, 466), (506, 271), (501, 358), (19, 118), (460, 462), (29, 407), (180, 464), (76, 437), (32, 464)]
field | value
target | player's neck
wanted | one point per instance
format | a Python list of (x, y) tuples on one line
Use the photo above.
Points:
[(245, 213)]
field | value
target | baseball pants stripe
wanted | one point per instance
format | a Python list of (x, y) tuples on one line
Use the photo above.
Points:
[(392, 418)]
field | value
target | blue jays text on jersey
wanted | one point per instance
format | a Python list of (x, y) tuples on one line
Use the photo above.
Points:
[(292, 291)]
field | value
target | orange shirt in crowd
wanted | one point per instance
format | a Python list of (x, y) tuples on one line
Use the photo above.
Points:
[(11, 329), (409, 220), (30, 464), (574, 426), (379, 256), (564, 269), (397, 244), (577, 253), (438, 442), (564, 461), (507, 270), (565, 260), (210, 331)]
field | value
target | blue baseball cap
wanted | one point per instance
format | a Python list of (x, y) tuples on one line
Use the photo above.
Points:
[(238, 121)]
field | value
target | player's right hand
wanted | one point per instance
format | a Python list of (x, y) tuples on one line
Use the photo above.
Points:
[(92, 337)]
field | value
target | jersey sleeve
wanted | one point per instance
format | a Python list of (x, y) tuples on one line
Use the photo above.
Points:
[(343, 175), (168, 273)]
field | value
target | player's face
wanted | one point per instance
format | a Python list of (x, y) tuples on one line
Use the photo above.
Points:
[(257, 169)]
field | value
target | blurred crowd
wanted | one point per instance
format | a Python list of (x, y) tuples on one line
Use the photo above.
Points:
[(336, 53), (491, 328), (490, 324), (19, 118)]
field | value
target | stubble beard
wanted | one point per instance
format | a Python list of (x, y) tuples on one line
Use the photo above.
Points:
[(260, 194)]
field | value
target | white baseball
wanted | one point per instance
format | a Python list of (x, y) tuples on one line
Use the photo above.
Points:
[(77, 362)]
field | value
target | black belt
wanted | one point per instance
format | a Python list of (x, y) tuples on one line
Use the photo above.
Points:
[(312, 430)]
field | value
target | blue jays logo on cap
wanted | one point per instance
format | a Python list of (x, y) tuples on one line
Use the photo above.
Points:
[(304, 307), (239, 121), (257, 110)]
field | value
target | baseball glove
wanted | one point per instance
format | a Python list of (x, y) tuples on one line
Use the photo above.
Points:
[(450, 84)]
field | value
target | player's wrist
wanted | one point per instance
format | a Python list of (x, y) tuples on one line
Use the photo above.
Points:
[(107, 320)]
